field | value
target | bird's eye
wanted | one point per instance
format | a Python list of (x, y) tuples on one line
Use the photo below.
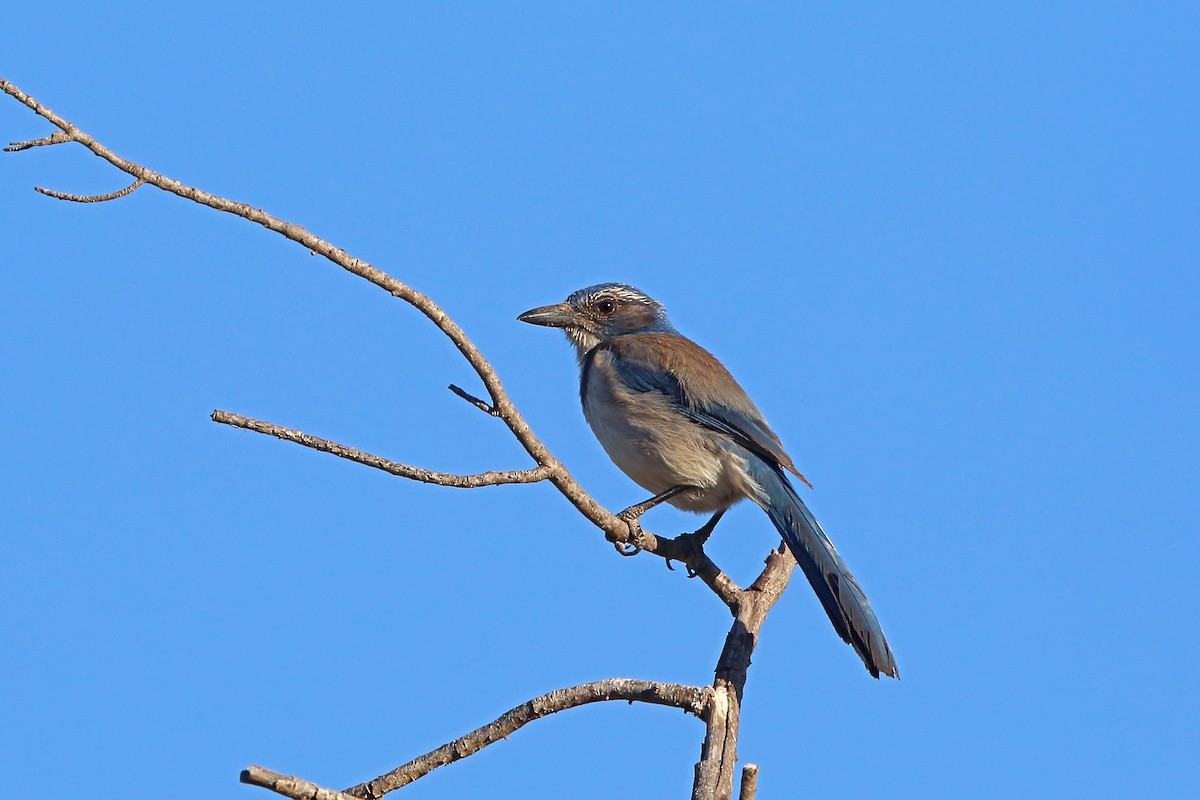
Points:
[(606, 306)]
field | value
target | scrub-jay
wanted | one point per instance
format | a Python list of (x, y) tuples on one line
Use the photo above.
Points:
[(675, 421)]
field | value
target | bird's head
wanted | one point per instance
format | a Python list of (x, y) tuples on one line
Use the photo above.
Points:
[(597, 313)]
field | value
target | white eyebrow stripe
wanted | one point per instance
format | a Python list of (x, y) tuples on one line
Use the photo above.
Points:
[(615, 291)]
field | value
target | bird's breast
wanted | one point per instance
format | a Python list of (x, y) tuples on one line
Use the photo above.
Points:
[(648, 438)]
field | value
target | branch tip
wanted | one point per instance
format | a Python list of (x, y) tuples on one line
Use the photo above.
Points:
[(288, 786), (482, 405), (58, 137), (539, 473), (749, 786), (89, 198)]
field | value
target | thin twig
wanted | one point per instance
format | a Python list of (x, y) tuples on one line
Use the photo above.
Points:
[(58, 137), (403, 470), (288, 786), (683, 548), (692, 699), (90, 198), (486, 408)]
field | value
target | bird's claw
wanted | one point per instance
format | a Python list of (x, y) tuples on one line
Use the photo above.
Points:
[(627, 548), (633, 545)]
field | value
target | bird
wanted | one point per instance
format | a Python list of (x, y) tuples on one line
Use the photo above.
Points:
[(674, 420)]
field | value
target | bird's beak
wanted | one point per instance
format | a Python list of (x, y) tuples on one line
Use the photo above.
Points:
[(559, 315)]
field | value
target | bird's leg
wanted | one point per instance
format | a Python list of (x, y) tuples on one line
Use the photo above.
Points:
[(632, 514), (701, 535), (704, 531)]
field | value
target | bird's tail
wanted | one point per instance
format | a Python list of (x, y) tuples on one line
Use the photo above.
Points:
[(843, 599)]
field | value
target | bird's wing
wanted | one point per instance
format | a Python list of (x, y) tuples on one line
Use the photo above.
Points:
[(700, 386)]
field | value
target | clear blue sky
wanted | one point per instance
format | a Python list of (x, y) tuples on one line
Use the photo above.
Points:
[(951, 250)]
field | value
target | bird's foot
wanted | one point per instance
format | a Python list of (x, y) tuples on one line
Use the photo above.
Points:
[(632, 545), (693, 543)]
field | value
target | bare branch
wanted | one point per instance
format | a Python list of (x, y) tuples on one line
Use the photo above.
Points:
[(504, 407), (90, 198), (749, 786), (288, 786), (501, 404), (718, 755), (403, 470), (692, 699), (58, 137), (473, 400)]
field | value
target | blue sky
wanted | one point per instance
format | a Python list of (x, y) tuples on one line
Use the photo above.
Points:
[(950, 250)]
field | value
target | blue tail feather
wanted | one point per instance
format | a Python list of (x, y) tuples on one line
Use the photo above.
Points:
[(841, 596)]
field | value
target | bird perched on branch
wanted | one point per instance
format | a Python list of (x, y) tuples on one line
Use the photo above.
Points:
[(675, 421)]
